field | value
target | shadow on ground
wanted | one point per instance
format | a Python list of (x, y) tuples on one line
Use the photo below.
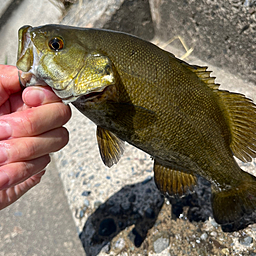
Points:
[(139, 205)]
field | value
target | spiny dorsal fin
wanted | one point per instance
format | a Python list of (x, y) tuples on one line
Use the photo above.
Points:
[(173, 182), (202, 74), (110, 146), (240, 114)]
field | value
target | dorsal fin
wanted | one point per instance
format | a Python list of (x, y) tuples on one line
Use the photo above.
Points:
[(240, 114), (202, 74)]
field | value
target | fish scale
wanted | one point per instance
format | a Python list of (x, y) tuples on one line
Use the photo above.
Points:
[(136, 92)]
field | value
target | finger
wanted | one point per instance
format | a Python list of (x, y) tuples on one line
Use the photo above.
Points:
[(34, 121), (9, 82), (10, 195), (15, 173), (22, 149), (38, 95), (13, 104)]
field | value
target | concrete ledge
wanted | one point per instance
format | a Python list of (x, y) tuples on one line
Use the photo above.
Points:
[(222, 33)]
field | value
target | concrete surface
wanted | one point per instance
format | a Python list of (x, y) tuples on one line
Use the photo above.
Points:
[(116, 211), (223, 33), (132, 17), (6, 9), (29, 12)]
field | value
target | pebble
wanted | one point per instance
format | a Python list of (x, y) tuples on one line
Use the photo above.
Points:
[(81, 214), (18, 214), (204, 236), (86, 193), (120, 244), (97, 203), (91, 177), (214, 223), (64, 163), (225, 251), (161, 244), (213, 233), (246, 240), (71, 174), (86, 203)]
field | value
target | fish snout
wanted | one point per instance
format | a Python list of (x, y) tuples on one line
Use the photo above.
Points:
[(25, 51), (28, 59)]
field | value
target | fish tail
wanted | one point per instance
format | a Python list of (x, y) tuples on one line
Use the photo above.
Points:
[(230, 205)]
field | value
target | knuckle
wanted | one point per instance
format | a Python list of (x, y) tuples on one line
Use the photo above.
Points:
[(29, 149), (63, 138), (64, 112)]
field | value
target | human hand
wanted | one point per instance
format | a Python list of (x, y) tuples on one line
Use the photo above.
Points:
[(30, 128)]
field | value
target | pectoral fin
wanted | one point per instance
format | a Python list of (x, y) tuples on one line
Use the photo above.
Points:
[(173, 182), (110, 146)]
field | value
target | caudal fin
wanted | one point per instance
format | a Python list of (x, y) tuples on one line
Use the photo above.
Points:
[(231, 205)]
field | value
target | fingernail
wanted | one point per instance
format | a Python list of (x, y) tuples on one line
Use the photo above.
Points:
[(5, 130), (4, 180), (34, 96), (3, 155)]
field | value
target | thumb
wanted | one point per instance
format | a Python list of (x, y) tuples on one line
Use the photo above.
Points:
[(39, 95)]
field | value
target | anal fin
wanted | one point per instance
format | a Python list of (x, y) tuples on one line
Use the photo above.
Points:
[(173, 182), (110, 146)]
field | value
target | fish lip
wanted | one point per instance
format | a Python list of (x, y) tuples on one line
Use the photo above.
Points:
[(28, 59), (24, 40), (27, 79)]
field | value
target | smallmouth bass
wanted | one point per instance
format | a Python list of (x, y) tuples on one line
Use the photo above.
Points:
[(136, 92)]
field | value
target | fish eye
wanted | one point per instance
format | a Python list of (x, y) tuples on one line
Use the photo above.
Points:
[(56, 44)]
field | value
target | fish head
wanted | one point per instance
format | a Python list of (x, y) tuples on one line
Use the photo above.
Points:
[(56, 56)]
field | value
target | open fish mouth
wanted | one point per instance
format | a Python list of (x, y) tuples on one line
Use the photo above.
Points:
[(28, 59)]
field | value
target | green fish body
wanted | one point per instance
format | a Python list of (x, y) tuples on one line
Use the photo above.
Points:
[(136, 92)]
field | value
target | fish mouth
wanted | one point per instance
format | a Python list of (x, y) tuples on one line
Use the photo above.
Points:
[(28, 59)]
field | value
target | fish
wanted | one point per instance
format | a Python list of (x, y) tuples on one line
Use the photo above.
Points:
[(137, 93)]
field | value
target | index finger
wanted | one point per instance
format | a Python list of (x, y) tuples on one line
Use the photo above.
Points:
[(9, 82)]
